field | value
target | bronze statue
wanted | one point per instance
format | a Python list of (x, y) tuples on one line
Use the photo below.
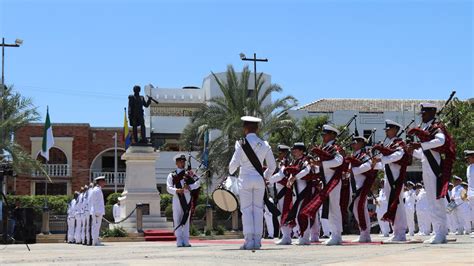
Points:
[(136, 102)]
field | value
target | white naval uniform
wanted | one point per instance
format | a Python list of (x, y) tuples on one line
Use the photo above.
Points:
[(85, 216), (79, 212), (97, 211), (470, 189), (324, 224), (381, 209), (359, 178), (182, 232), (461, 212), (88, 214), (451, 219), (335, 215), (423, 213), (437, 206), (285, 229), (268, 216), (400, 224), (252, 187), (410, 201), (71, 220)]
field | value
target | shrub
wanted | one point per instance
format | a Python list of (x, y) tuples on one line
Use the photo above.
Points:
[(115, 232), (193, 231), (166, 200), (200, 211), (56, 204), (113, 198), (109, 215), (169, 211), (208, 232), (220, 230)]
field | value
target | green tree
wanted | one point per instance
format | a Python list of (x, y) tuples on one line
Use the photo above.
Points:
[(222, 115), (459, 118), (17, 112), (306, 130)]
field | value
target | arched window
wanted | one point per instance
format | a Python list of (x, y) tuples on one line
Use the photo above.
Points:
[(56, 156)]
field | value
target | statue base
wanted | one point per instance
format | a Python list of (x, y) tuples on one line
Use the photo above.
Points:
[(140, 187)]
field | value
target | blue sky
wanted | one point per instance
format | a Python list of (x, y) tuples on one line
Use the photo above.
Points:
[(83, 57)]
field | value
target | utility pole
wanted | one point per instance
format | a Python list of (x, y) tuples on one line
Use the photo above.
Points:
[(254, 60)]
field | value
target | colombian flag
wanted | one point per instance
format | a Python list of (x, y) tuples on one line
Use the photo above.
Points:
[(127, 138)]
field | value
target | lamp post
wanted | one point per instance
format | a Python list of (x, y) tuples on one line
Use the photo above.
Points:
[(254, 60)]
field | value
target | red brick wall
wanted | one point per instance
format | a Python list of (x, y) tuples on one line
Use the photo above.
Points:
[(87, 144)]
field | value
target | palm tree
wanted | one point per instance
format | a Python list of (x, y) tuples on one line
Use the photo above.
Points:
[(17, 112), (222, 115)]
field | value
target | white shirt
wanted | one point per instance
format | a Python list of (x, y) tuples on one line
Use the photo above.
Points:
[(382, 201), (97, 201), (470, 182), (438, 141), (116, 212), (71, 211), (410, 199), (79, 206), (264, 153), (171, 188), (422, 203), (359, 170), (329, 165), (456, 193), (391, 160)]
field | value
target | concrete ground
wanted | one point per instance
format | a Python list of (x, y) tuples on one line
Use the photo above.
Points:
[(226, 252)]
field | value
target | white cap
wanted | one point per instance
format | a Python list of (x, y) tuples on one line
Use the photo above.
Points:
[(251, 119), (179, 156), (299, 145), (464, 184), (455, 177), (283, 147), (99, 178), (390, 123), (359, 139), (468, 153), (410, 183), (330, 128)]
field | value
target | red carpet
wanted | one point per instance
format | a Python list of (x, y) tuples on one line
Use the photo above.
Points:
[(159, 235)]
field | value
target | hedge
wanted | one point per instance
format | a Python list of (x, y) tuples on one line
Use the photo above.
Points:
[(56, 204)]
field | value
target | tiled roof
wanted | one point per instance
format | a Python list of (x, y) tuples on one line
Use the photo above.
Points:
[(365, 105)]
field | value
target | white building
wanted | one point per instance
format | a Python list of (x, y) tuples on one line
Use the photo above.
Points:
[(168, 119), (371, 113)]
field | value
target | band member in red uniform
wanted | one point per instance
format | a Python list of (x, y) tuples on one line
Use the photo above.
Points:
[(362, 179), (329, 166), (392, 160), (434, 143)]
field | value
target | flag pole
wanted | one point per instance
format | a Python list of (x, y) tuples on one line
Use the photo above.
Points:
[(115, 163)]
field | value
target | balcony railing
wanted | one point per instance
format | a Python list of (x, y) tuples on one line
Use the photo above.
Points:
[(109, 177), (55, 170)]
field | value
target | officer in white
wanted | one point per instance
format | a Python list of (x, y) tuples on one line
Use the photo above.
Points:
[(329, 135), (97, 208), (79, 212), (251, 183), (381, 209), (469, 155), (437, 206), (85, 215), (461, 212), (422, 211), (409, 197), (89, 215), (181, 232), (71, 218), (116, 211), (268, 216)]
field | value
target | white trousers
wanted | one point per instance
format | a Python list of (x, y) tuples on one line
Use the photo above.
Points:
[(285, 230), (96, 223), (363, 233), (461, 216), (437, 207), (182, 232), (86, 228), (316, 228), (410, 214), (424, 221), (335, 215), (71, 221), (252, 190), (269, 222), (384, 226), (324, 224), (77, 230), (400, 224)]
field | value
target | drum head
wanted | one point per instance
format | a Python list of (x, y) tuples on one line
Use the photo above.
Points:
[(225, 200)]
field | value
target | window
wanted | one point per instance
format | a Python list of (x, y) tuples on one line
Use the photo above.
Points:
[(56, 156), (52, 189), (169, 142)]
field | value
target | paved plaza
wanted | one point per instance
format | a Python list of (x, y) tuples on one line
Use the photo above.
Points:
[(226, 252)]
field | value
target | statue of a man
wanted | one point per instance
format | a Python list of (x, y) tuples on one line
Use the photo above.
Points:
[(136, 102)]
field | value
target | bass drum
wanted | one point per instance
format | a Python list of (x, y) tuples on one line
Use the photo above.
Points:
[(226, 195)]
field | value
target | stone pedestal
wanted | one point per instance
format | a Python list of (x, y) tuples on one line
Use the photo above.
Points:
[(140, 187)]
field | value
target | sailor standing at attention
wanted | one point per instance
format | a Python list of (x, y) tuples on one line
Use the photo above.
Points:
[(250, 154)]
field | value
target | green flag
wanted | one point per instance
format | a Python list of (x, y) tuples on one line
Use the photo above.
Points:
[(48, 139)]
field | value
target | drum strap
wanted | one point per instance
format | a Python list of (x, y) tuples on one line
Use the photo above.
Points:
[(249, 152)]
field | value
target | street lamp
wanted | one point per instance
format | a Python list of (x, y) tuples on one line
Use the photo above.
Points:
[(17, 43), (254, 60)]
